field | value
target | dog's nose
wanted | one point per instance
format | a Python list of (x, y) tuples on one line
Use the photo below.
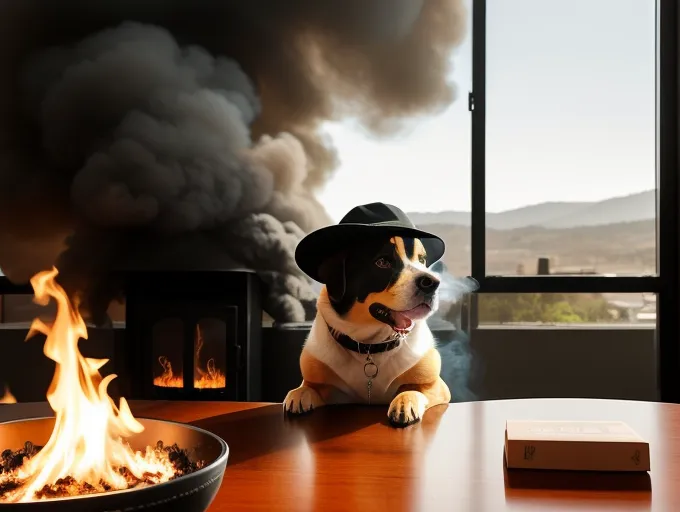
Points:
[(427, 284)]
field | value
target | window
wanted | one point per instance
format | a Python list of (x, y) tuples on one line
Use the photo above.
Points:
[(586, 124), (570, 177), (425, 170), (570, 137), (17, 307), (567, 309)]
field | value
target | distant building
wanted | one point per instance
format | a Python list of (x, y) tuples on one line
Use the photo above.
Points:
[(543, 269), (635, 308)]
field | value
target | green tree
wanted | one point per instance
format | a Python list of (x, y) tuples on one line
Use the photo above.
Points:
[(546, 308)]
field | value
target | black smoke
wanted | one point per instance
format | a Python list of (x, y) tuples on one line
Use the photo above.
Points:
[(185, 134)]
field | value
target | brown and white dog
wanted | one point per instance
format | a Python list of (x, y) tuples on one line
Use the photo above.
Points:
[(370, 342)]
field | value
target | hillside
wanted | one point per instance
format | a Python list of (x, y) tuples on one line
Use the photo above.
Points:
[(621, 248), (612, 236), (631, 208)]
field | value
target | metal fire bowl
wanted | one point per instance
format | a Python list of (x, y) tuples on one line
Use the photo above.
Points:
[(190, 493)]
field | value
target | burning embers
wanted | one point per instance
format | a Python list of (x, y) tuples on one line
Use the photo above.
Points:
[(86, 452), (205, 377), (171, 462)]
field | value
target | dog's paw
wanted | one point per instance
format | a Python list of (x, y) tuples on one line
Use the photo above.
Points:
[(301, 400), (407, 408)]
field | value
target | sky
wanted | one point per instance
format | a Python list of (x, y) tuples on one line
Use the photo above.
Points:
[(570, 116)]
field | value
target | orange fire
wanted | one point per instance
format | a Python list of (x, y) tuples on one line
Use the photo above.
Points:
[(8, 397), (168, 379), (211, 377), (87, 442)]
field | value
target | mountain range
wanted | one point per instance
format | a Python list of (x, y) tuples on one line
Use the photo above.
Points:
[(630, 208)]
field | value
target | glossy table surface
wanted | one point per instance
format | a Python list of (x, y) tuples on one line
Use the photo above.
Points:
[(349, 458)]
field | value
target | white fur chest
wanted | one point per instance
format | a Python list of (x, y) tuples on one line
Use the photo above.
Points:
[(349, 365)]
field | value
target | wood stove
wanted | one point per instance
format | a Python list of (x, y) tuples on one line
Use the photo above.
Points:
[(193, 335)]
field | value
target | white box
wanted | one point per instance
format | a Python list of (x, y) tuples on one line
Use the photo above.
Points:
[(575, 445)]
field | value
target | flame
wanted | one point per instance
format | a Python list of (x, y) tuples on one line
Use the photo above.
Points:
[(211, 377), (168, 379), (8, 397), (87, 442)]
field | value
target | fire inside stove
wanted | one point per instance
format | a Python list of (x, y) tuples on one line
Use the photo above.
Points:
[(87, 452), (207, 373), (7, 397)]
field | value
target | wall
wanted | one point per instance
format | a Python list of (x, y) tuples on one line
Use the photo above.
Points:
[(547, 362), (514, 363), (501, 362)]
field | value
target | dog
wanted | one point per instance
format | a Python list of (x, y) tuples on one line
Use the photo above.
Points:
[(369, 342)]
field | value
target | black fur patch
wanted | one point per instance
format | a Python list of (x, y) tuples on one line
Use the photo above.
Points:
[(409, 247), (351, 277)]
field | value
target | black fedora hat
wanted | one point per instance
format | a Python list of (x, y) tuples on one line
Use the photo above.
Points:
[(362, 222)]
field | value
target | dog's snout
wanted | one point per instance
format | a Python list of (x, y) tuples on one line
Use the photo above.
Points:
[(427, 284)]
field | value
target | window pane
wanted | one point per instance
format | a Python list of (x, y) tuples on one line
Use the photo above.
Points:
[(168, 353), (425, 170), (210, 354), (566, 309), (20, 308), (570, 136)]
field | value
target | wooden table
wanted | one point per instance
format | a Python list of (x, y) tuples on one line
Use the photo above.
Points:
[(347, 458)]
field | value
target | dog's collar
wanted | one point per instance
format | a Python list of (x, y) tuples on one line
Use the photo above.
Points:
[(365, 348)]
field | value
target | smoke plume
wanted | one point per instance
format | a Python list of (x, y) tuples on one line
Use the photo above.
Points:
[(459, 367), (186, 134)]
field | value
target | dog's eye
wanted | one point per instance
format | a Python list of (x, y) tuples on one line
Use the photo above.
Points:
[(422, 260), (383, 263)]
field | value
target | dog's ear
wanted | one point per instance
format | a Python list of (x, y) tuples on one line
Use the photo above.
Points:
[(333, 273)]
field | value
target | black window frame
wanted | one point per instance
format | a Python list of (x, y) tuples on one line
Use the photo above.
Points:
[(667, 279)]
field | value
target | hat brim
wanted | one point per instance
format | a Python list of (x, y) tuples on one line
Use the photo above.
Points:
[(323, 243)]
